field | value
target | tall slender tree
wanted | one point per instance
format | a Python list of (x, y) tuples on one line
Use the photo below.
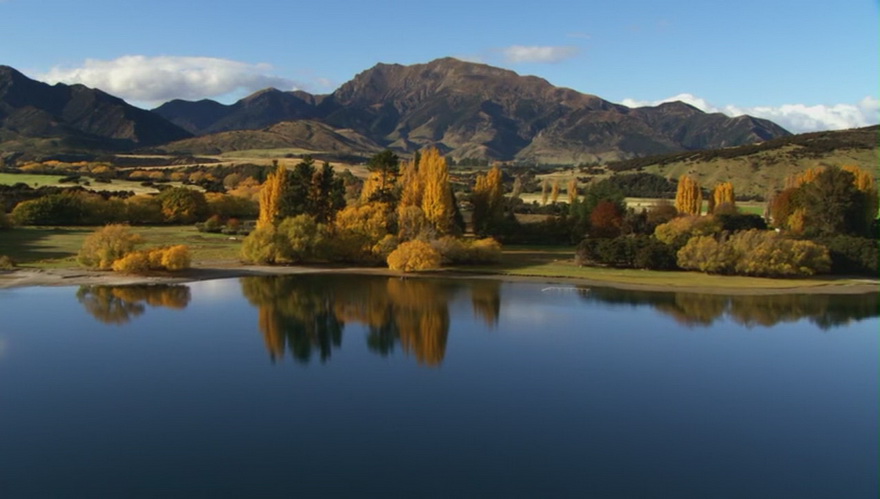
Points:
[(270, 196), (688, 197), (437, 201)]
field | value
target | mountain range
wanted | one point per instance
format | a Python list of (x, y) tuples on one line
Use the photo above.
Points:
[(466, 109)]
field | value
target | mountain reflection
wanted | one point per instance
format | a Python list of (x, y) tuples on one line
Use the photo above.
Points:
[(307, 313), (120, 304), (696, 309)]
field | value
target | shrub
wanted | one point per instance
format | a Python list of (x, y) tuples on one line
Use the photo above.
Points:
[(264, 245), (6, 263), (634, 251), (300, 237), (486, 250), (136, 262), (451, 249), (5, 222), (706, 254), (414, 255), (735, 222), (171, 258), (678, 231), (754, 252), (106, 245), (852, 255), (175, 258)]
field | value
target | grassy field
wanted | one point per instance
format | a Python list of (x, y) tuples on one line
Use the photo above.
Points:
[(559, 262), (50, 247), (38, 180), (31, 179)]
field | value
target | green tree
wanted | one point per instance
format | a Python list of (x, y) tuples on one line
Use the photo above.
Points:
[(384, 168), (834, 204), (182, 205)]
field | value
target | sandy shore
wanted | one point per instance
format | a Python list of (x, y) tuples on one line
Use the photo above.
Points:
[(80, 277)]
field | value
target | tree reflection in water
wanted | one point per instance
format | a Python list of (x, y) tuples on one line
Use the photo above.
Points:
[(304, 312), (305, 315), (120, 304), (696, 309)]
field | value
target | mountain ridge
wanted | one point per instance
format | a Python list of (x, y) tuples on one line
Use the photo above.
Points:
[(76, 115), (476, 110)]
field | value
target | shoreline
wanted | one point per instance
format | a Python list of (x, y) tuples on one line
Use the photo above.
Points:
[(20, 278)]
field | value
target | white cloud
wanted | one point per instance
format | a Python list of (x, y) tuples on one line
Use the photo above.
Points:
[(521, 53), (155, 80), (796, 118)]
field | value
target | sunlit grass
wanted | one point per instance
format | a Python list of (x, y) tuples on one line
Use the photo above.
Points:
[(49, 247)]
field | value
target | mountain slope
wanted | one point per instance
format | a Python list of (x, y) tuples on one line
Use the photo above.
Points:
[(476, 110), (758, 169), (256, 111), (75, 116), (303, 134)]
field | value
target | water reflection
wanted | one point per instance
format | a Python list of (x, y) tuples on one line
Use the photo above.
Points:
[(303, 314), (696, 309), (120, 304)]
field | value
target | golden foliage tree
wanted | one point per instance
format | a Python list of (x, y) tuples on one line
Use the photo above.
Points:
[(554, 192), (723, 195), (572, 191), (488, 200), (271, 196), (437, 200), (545, 192), (688, 196), (413, 185)]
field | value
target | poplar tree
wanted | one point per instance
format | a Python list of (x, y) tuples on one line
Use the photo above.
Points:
[(488, 200), (723, 194), (437, 197), (688, 197), (572, 191), (270, 196), (554, 192)]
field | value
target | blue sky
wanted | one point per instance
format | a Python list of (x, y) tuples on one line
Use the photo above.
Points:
[(806, 65)]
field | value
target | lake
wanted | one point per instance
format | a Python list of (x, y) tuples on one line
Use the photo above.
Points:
[(331, 385)]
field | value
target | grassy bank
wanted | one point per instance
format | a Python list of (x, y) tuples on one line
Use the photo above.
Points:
[(559, 263), (56, 248)]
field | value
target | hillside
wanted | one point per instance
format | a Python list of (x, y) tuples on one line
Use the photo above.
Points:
[(73, 118), (476, 110), (758, 169), (306, 135), (256, 111)]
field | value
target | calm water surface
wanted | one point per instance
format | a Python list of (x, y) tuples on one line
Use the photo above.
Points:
[(347, 386)]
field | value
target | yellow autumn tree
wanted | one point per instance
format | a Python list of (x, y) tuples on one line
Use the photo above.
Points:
[(688, 197), (270, 196), (723, 195), (437, 196), (864, 181), (572, 190), (488, 200), (413, 185), (545, 192), (554, 192)]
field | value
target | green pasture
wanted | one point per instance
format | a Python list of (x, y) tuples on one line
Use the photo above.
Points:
[(40, 180), (558, 262), (56, 247)]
